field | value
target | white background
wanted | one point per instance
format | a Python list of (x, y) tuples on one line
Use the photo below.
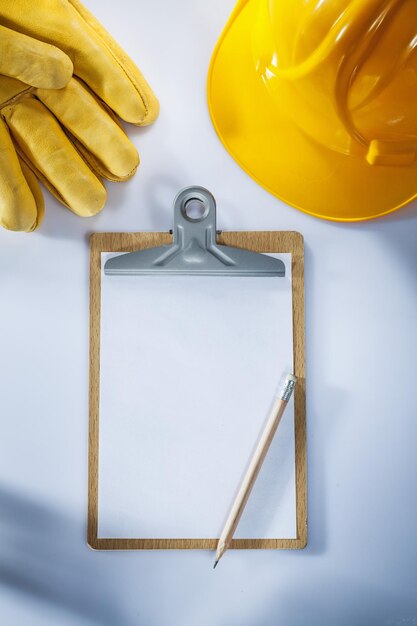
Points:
[(360, 566)]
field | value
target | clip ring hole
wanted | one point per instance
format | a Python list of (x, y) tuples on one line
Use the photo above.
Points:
[(195, 209)]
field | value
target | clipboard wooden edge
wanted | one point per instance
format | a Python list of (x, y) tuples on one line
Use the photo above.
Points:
[(257, 241)]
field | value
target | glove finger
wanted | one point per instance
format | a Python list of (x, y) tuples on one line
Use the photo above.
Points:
[(118, 81), (97, 58), (113, 154), (46, 148), (21, 201), (33, 62), (34, 186)]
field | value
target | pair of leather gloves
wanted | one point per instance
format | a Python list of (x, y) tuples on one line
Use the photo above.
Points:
[(64, 84)]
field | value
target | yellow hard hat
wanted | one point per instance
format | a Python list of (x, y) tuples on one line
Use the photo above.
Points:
[(317, 101)]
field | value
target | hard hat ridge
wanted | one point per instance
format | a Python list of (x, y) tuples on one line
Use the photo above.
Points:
[(326, 80), (316, 100)]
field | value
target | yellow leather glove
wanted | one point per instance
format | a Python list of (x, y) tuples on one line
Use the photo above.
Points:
[(63, 130)]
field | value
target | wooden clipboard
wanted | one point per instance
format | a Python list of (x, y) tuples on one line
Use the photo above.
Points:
[(264, 242)]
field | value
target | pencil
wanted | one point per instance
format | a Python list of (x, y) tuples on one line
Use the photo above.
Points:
[(274, 418)]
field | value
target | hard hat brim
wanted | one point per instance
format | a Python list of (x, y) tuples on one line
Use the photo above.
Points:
[(278, 155)]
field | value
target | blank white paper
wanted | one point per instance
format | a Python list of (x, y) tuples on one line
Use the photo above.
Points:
[(189, 368)]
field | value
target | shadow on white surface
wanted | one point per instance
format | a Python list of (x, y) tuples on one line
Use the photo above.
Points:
[(323, 414), (60, 223), (43, 557), (326, 405), (400, 239), (158, 197), (361, 604)]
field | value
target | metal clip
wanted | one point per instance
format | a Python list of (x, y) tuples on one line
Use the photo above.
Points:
[(195, 250)]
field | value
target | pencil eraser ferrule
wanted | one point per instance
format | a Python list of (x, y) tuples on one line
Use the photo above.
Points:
[(287, 388)]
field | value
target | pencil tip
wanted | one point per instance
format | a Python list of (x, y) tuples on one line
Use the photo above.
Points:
[(214, 566)]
